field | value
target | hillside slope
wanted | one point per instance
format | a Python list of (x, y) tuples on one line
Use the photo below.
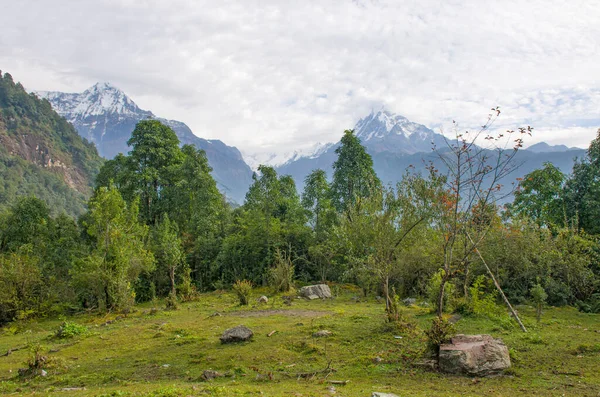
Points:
[(41, 154)]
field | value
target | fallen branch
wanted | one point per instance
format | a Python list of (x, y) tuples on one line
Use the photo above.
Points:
[(11, 351), (338, 382), (271, 333)]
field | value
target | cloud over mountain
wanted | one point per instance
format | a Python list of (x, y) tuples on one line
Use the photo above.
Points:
[(278, 76)]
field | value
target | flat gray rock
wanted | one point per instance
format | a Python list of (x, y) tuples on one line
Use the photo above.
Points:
[(379, 394), (318, 291), (240, 333), (478, 355)]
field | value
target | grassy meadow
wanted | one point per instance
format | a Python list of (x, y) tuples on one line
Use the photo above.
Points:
[(152, 352)]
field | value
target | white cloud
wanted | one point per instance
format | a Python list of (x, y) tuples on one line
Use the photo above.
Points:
[(276, 76)]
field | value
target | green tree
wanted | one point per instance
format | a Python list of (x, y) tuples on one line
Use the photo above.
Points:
[(27, 223), (382, 228), (582, 190), (22, 289), (168, 251), (271, 217), (353, 174), (473, 188), (539, 196), (118, 256), (316, 199), (155, 157)]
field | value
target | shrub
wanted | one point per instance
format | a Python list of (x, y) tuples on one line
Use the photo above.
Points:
[(590, 306), (538, 294), (559, 293), (242, 289), (70, 330), (171, 302), (482, 302), (440, 332), (281, 275)]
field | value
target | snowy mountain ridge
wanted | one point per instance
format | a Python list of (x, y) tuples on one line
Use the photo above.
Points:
[(101, 98), (280, 159)]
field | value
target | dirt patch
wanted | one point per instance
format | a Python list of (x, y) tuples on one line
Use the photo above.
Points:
[(279, 312)]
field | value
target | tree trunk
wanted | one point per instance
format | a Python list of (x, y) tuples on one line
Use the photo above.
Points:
[(386, 293), (440, 308), (466, 281), (172, 278)]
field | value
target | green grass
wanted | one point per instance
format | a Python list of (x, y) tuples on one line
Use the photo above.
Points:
[(165, 353)]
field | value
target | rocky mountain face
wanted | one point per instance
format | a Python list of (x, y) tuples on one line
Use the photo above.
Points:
[(395, 143), (41, 154), (106, 116)]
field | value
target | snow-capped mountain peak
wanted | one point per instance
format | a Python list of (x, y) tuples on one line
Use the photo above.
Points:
[(383, 123), (101, 98)]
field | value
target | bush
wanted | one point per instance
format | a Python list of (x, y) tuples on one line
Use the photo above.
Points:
[(590, 306), (538, 294), (483, 297), (281, 276), (440, 332), (70, 330), (171, 302), (242, 289), (559, 293), (433, 290)]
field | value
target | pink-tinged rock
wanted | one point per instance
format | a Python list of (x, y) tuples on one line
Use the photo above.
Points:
[(479, 355)]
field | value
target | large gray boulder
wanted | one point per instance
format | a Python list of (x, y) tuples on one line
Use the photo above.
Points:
[(240, 333), (321, 291), (478, 355)]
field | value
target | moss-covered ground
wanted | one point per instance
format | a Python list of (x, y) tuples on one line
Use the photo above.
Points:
[(164, 353)]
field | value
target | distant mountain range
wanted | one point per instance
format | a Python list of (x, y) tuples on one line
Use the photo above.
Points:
[(106, 116), (395, 143)]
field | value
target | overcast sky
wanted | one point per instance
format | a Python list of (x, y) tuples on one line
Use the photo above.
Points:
[(271, 76)]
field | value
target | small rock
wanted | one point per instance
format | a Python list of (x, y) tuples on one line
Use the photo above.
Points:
[(454, 319), (322, 334), (312, 297), (380, 394), (209, 374), (377, 360), (263, 299), (165, 365), (43, 373), (409, 301), (240, 333), (321, 291)]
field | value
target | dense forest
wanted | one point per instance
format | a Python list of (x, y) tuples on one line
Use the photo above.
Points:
[(156, 226)]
